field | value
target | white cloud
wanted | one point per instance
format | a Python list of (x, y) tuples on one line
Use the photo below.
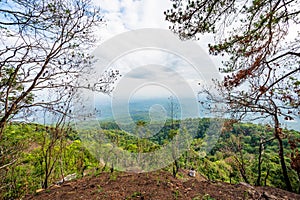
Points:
[(126, 15), (153, 14), (108, 5)]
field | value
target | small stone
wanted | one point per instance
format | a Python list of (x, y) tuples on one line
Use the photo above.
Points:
[(269, 196), (192, 173), (246, 184), (39, 190)]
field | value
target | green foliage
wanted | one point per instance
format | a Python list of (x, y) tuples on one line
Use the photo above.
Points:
[(196, 126), (113, 176), (207, 197), (136, 194), (13, 84), (224, 167), (27, 143), (261, 64)]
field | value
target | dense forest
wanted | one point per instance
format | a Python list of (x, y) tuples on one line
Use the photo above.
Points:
[(244, 152)]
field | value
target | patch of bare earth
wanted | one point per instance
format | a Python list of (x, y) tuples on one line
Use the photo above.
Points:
[(156, 185)]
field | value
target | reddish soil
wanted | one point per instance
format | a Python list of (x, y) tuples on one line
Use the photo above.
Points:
[(156, 185)]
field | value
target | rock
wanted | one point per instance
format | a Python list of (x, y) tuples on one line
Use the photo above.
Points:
[(54, 186), (170, 184), (67, 178), (39, 190), (269, 196), (247, 185), (192, 173)]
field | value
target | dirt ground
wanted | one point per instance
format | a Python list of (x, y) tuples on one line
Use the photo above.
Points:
[(156, 185)]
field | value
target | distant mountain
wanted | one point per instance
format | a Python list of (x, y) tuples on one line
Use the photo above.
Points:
[(147, 109), (157, 109), (160, 108)]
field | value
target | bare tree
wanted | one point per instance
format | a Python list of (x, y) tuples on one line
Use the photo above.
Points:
[(173, 110), (53, 141), (241, 105), (43, 49), (262, 72)]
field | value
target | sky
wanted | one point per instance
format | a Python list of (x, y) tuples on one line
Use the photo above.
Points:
[(149, 73), (128, 15), (125, 15)]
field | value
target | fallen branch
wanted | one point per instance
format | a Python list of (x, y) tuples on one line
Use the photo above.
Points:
[(8, 164)]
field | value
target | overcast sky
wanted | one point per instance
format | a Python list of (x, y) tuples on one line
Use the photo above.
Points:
[(127, 15)]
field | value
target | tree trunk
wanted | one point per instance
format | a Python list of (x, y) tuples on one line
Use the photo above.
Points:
[(103, 168), (243, 173), (242, 165), (281, 155), (267, 175), (45, 184), (2, 126), (259, 162), (112, 168), (175, 168), (298, 182)]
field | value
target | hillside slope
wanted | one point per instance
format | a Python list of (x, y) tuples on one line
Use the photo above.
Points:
[(156, 185)]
